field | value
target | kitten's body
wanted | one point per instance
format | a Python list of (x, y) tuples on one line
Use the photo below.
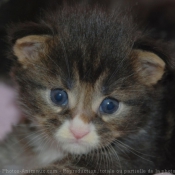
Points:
[(28, 148), (92, 55)]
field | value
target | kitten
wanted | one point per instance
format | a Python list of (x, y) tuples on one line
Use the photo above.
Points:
[(98, 95)]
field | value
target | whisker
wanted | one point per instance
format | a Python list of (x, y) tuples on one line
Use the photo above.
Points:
[(135, 152)]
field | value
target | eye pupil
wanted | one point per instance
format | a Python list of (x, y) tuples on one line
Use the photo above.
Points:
[(109, 106), (59, 97)]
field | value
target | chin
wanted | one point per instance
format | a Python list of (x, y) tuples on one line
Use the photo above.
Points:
[(76, 148)]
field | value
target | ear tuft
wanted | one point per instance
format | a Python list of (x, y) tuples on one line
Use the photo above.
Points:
[(30, 47), (150, 67)]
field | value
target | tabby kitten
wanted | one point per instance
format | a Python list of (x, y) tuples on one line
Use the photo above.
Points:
[(97, 94)]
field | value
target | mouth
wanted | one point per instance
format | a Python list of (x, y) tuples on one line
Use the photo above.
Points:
[(74, 146)]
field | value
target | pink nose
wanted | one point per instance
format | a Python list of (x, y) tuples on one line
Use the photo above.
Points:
[(79, 132)]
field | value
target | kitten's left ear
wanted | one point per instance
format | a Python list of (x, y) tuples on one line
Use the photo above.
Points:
[(150, 67), (30, 47)]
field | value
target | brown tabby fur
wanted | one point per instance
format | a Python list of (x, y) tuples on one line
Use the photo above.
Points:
[(91, 54)]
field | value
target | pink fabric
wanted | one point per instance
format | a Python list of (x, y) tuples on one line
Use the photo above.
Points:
[(9, 113)]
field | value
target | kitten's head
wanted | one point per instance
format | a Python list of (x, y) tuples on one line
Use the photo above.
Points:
[(84, 79)]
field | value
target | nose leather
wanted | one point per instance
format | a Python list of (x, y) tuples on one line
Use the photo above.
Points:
[(79, 132)]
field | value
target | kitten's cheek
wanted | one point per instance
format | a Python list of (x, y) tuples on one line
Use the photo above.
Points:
[(77, 145)]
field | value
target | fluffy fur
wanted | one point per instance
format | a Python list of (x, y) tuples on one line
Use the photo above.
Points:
[(92, 55)]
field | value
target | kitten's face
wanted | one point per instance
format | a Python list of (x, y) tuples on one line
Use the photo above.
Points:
[(84, 95)]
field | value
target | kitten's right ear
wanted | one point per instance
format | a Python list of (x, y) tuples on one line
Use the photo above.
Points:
[(30, 48), (150, 67)]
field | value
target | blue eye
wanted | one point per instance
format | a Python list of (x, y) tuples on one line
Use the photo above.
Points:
[(109, 106), (59, 97)]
